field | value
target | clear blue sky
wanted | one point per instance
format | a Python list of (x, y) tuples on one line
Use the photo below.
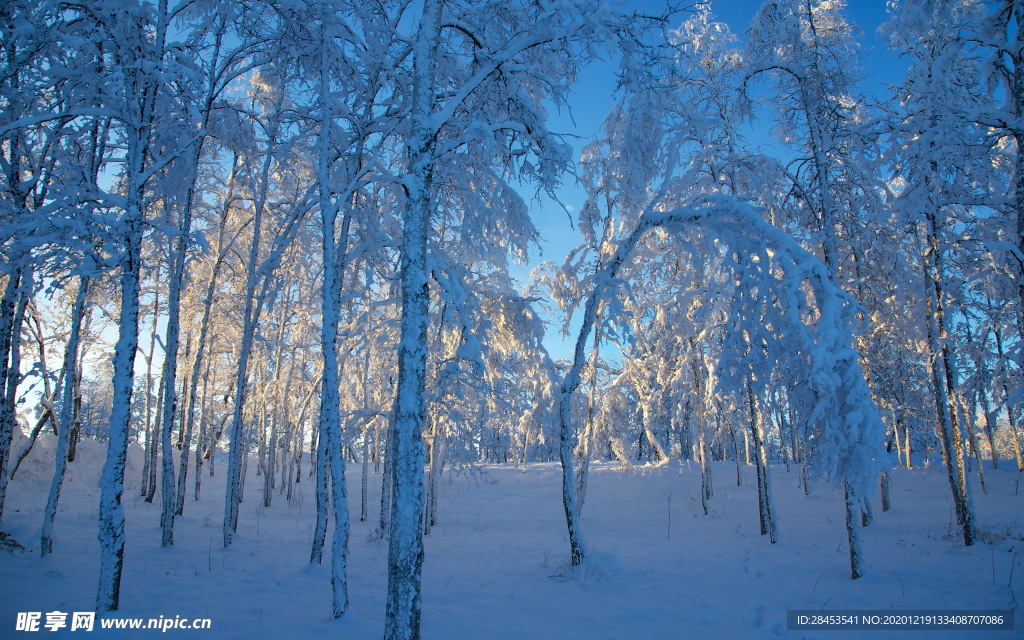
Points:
[(592, 99)]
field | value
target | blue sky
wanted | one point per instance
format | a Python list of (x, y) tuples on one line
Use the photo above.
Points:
[(592, 99)]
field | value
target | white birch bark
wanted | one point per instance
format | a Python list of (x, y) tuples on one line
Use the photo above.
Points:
[(111, 511), (405, 545), (12, 312), (335, 253), (139, 120), (65, 417)]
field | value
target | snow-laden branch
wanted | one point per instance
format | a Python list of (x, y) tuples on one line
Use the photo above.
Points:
[(847, 431), (542, 33)]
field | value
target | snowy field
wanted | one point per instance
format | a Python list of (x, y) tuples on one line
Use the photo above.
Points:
[(496, 564)]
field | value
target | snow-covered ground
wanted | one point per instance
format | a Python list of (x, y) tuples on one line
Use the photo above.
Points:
[(496, 564)]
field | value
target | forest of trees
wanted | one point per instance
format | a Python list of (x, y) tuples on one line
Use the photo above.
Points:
[(283, 230)]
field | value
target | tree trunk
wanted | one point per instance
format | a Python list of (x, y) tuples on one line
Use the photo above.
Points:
[(111, 511), (168, 381), (702, 396), (198, 362), (66, 417), (405, 548), (148, 485), (364, 477), (943, 379), (764, 492), (736, 453), (583, 450), (250, 318), (884, 481), (335, 255), (435, 467), (12, 315), (853, 533)]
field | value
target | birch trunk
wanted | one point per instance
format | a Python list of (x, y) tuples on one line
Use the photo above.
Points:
[(250, 318), (66, 418), (944, 376), (12, 314), (111, 511), (405, 548), (764, 491), (335, 253)]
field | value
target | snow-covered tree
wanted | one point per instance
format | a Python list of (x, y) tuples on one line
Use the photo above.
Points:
[(937, 198), (478, 75)]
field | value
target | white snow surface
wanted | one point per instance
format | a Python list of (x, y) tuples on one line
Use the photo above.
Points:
[(497, 562)]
